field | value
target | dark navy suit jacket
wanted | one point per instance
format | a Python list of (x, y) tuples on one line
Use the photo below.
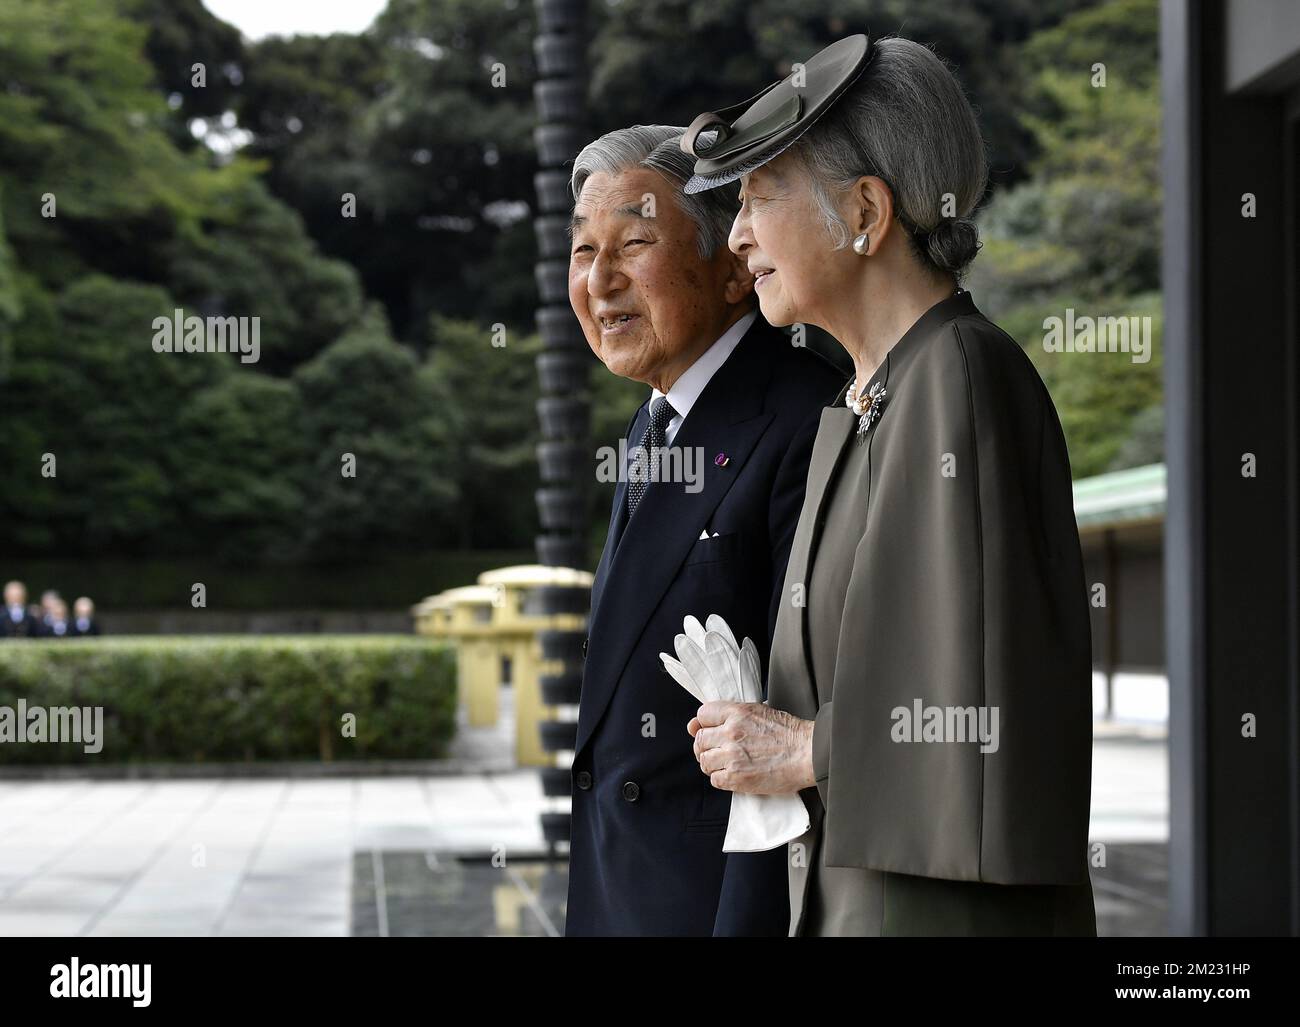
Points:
[(646, 853), (28, 627)]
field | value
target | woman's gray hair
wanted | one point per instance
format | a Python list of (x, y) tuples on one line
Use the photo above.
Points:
[(655, 147), (907, 121)]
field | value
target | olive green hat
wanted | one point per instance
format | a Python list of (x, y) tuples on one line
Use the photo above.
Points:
[(735, 140)]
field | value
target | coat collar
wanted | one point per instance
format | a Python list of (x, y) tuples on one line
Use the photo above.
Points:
[(900, 354)]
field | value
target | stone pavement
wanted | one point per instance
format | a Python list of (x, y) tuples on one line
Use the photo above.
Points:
[(1130, 823), (394, 855), (242, 857)]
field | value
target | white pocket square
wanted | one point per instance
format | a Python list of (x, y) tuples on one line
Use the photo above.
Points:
[(705, 535)]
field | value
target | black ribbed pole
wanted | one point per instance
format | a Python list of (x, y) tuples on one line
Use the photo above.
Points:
[(564, 405)]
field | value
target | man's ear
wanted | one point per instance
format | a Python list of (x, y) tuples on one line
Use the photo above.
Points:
[(872, 209), (739, 283)]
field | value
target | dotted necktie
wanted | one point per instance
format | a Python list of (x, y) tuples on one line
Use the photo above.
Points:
[(654, 439)]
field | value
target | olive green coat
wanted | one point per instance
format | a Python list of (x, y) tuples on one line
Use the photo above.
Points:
[(963, 586)]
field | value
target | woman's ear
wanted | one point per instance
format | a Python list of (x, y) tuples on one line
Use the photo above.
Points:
[(739, 283), (873, 210)]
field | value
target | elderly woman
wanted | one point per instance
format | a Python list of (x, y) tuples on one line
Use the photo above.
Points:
[(929, 687)]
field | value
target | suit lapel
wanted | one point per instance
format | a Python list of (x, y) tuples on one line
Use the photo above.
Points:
[(833, 435), (727, 418), (618, 515)]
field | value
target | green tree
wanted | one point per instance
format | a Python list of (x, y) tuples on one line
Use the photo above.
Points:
[(362, 396), (240, 455), (111, 216), (666, 61), (10, 303), (1084, 232), (180, 35), (255, 258), (1089, 220), (88, 389), (427, 121), (482, 416)]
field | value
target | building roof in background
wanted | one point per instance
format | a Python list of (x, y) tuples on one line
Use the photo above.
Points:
[(1130, 496), (465, 594), (531, 574)]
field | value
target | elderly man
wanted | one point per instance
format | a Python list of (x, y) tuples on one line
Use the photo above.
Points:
[(57, 625), (662, 301), (50, 600), (18, 621), (84, 613)]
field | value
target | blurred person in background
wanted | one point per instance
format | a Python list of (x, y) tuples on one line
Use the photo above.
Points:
[(50, 600), (84, 622), (58, 626), (18, 620)]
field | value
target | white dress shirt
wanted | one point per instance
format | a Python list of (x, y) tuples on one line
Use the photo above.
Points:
[(686, 390)]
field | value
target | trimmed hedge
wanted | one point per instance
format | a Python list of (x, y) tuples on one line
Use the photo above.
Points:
[(208, 699)]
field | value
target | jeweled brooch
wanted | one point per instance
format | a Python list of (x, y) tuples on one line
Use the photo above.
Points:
[(868, 408)]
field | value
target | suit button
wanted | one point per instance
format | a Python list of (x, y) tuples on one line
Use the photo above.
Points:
[(583, 780), (584, 647), (631, 791)]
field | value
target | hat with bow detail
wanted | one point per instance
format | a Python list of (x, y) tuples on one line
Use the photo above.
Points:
[(736, 140)]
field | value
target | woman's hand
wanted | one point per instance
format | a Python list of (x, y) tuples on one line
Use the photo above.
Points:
[(750, 747)]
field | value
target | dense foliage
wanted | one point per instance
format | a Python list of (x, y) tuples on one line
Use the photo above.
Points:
[(127, 191)]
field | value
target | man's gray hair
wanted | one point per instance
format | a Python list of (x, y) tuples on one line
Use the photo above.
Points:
[(907, 121), (655, 147)]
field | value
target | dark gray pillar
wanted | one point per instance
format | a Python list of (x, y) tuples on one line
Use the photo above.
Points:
[(564, 405), (1231, 574)]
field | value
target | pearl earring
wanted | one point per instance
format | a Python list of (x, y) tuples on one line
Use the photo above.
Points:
[(860, 245)]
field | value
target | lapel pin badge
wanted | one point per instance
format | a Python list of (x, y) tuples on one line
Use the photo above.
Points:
[(722, 459)]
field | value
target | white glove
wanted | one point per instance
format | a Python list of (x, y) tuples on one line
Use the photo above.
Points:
[(710, 659), (713, 668)]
